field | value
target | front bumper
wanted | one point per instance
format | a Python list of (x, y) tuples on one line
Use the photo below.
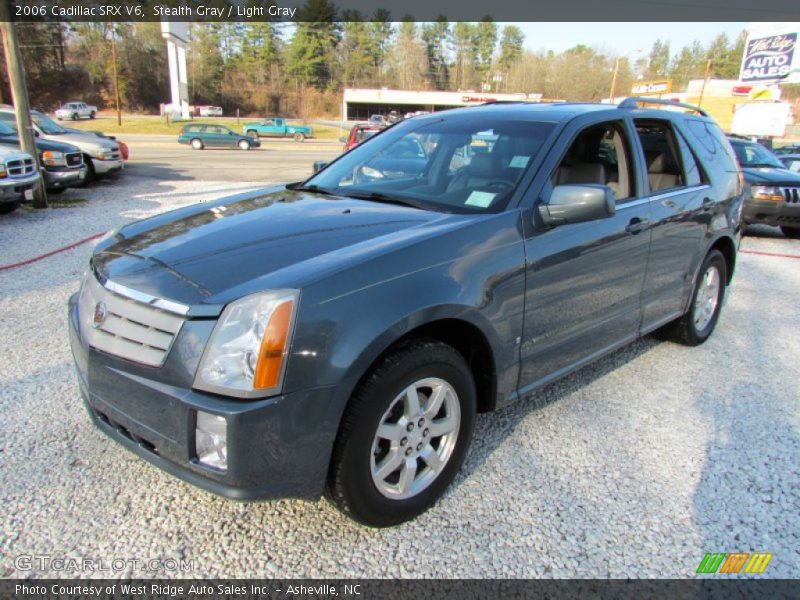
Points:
[(63, 178), (783, 214), (13, 189), (277, 447), (101, 167)]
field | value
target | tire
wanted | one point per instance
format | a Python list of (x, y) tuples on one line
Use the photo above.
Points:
[(91, 174), (92, 115), (252, 133), (299, 137), (355, 485), (791, 233), (8, 207), (74, 116), (197, 144), (244, 145), (695, 327)]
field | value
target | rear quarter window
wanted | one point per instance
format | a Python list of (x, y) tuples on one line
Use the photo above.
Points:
[(710, 144)]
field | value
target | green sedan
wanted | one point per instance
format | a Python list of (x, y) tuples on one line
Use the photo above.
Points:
[(206, 135)]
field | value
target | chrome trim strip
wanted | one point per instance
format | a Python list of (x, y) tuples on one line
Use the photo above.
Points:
[(675, 192), (167, 305)]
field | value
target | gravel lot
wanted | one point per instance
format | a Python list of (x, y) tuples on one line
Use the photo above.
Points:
[(633, 467)]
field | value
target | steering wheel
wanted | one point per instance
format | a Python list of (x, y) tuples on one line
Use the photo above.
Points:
[(499, 183)]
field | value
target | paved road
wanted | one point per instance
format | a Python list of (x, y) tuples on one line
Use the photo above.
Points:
[(160, 157)]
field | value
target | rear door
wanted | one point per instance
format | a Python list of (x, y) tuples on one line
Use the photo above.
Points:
[(584, 280), (681, 209)]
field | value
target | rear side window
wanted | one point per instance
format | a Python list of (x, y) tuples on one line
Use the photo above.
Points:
[(710, 143), (192, 129), (665, 170)]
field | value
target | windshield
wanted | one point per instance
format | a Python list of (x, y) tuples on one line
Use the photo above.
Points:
[(46, 124), (459, 163), (756, 155)]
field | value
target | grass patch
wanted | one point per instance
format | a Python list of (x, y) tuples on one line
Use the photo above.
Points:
[(57, 201), (159, 126)]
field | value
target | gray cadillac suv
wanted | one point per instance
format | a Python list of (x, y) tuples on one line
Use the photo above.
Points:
[(340, 334)]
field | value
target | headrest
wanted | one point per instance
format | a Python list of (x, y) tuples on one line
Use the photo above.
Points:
[(483, 165), (586, 173)]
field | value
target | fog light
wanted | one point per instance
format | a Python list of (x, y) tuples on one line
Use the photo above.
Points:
[(211, 440)]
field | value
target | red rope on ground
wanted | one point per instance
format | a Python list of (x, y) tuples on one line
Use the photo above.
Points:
[(51, 253), (762, 253)]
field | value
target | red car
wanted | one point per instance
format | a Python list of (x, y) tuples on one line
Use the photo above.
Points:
[(359, 133), (123, 150)]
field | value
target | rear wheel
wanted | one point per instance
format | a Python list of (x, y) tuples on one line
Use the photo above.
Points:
[(404, 435), (8, 207), (299, 137), (791, 233), (252, 133), (244, 145), (695, 327), (197, 144)]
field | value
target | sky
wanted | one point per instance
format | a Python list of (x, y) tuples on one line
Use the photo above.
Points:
[(625, 39)]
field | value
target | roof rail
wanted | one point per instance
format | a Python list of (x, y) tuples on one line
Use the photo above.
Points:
[(635, 101)]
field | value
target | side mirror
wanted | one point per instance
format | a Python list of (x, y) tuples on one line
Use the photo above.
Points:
[(35, 133), (319, 165), (342, 139), (578, 204)]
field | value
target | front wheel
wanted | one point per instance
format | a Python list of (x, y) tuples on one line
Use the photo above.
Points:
[(791, 233), (74, 116), (299, 137), (92, 115), (404, 435), (8, 207), (244, 145), (695, 327)]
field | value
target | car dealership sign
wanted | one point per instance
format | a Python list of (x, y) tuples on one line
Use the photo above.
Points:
[(645, 88), (770, 58)]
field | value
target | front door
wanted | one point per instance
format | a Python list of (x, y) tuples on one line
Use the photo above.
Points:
[(584, 280)]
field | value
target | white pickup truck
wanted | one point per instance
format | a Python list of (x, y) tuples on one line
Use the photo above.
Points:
[(75, 111), (18, 175)]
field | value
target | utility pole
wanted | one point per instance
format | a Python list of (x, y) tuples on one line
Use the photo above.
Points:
[(705, 81), (116, 78), (614, 80), (19, 93)]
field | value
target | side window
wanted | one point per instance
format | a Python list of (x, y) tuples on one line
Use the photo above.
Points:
[(600, 154), (664, 168), (695, 174)]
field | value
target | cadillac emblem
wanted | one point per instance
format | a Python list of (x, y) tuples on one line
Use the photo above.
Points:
[(100, 313)]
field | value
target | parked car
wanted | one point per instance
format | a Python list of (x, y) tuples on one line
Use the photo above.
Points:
[(202, 135), (62, 164), (787, 149), (417, 113), (210, 111), (341, 336), (123, 147), (359, 133), (18, 175), (100, 154), (377, 120), (277, 127), (393, 117), (791, 162), (773, 191), (75, 111)]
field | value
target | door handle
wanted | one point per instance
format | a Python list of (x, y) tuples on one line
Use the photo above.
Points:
[(637, 225)]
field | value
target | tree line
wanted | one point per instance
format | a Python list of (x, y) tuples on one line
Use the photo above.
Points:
[(300, 69)]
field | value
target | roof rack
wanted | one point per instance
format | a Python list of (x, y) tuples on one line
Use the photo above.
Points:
[(635, 101)]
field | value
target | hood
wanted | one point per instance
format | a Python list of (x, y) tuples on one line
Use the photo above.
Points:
[(770, 175), (212, 252), (9, 152), (83, 140), (41, 145)]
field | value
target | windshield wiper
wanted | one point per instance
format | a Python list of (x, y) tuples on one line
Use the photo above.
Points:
[(313, 188), (381, 197)]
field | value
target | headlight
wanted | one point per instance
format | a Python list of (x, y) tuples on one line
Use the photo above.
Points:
[(102, 155), (246, 356), (766, 192), (53, 158)]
